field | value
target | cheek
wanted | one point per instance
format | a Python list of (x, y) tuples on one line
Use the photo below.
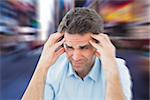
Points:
[(89, 54), (69, 54)]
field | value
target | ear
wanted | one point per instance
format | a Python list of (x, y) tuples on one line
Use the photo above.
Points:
[(97, 54)]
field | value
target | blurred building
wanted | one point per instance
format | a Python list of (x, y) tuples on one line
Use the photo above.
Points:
[(18, 56), (26, 24)]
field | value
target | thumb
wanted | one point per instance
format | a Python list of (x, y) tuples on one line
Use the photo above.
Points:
[(97, 54)]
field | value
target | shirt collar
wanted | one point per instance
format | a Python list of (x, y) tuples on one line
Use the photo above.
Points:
[(94, 74), (71, 72)]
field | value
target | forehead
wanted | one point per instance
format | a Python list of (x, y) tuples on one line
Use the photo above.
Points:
[(77, 39)]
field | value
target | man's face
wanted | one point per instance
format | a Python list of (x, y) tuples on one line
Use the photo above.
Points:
[(80, 52)]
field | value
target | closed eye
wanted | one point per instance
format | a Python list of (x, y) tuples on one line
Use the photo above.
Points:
[(84, 47), (68, 47)]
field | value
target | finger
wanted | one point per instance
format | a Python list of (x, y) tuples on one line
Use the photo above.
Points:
[(58, 45), (53, 38), (57, 38), (60, 52), (99, 38), (106, 37), (98, 48), (95, 45), (95, 36), (108, 40), (97, 54), (103, 39)]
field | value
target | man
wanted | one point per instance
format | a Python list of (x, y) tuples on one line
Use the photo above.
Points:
[(84, 68)]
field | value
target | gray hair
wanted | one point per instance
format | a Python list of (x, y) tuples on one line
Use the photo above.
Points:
[(81, 21)]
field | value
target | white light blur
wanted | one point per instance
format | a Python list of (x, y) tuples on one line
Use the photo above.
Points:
[(45, 11)]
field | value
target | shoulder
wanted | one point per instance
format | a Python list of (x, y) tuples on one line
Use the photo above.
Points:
[(123, 69), (125, 78)]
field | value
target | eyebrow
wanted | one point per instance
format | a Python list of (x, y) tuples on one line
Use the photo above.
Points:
[(87, 45), (82, 46), (67, 45)]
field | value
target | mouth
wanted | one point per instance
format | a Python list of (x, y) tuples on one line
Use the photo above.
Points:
[(77, 63)]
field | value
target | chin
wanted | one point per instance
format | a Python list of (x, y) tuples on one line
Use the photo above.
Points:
[(77, 67)]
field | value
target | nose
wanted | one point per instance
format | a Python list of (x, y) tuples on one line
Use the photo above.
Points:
[(76, 55)]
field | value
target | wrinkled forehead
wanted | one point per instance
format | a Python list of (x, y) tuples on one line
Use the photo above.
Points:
[(76, 39)]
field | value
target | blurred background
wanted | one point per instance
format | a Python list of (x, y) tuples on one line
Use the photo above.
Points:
[(25, 25)]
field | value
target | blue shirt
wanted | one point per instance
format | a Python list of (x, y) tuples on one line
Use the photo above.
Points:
[(63, 83)]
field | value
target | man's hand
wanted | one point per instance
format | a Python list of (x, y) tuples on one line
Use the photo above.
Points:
[(106, 52), (104, 46), (52, 50), (105, 49)]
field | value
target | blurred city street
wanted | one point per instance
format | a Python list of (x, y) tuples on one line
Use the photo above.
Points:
[(25, 25)]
